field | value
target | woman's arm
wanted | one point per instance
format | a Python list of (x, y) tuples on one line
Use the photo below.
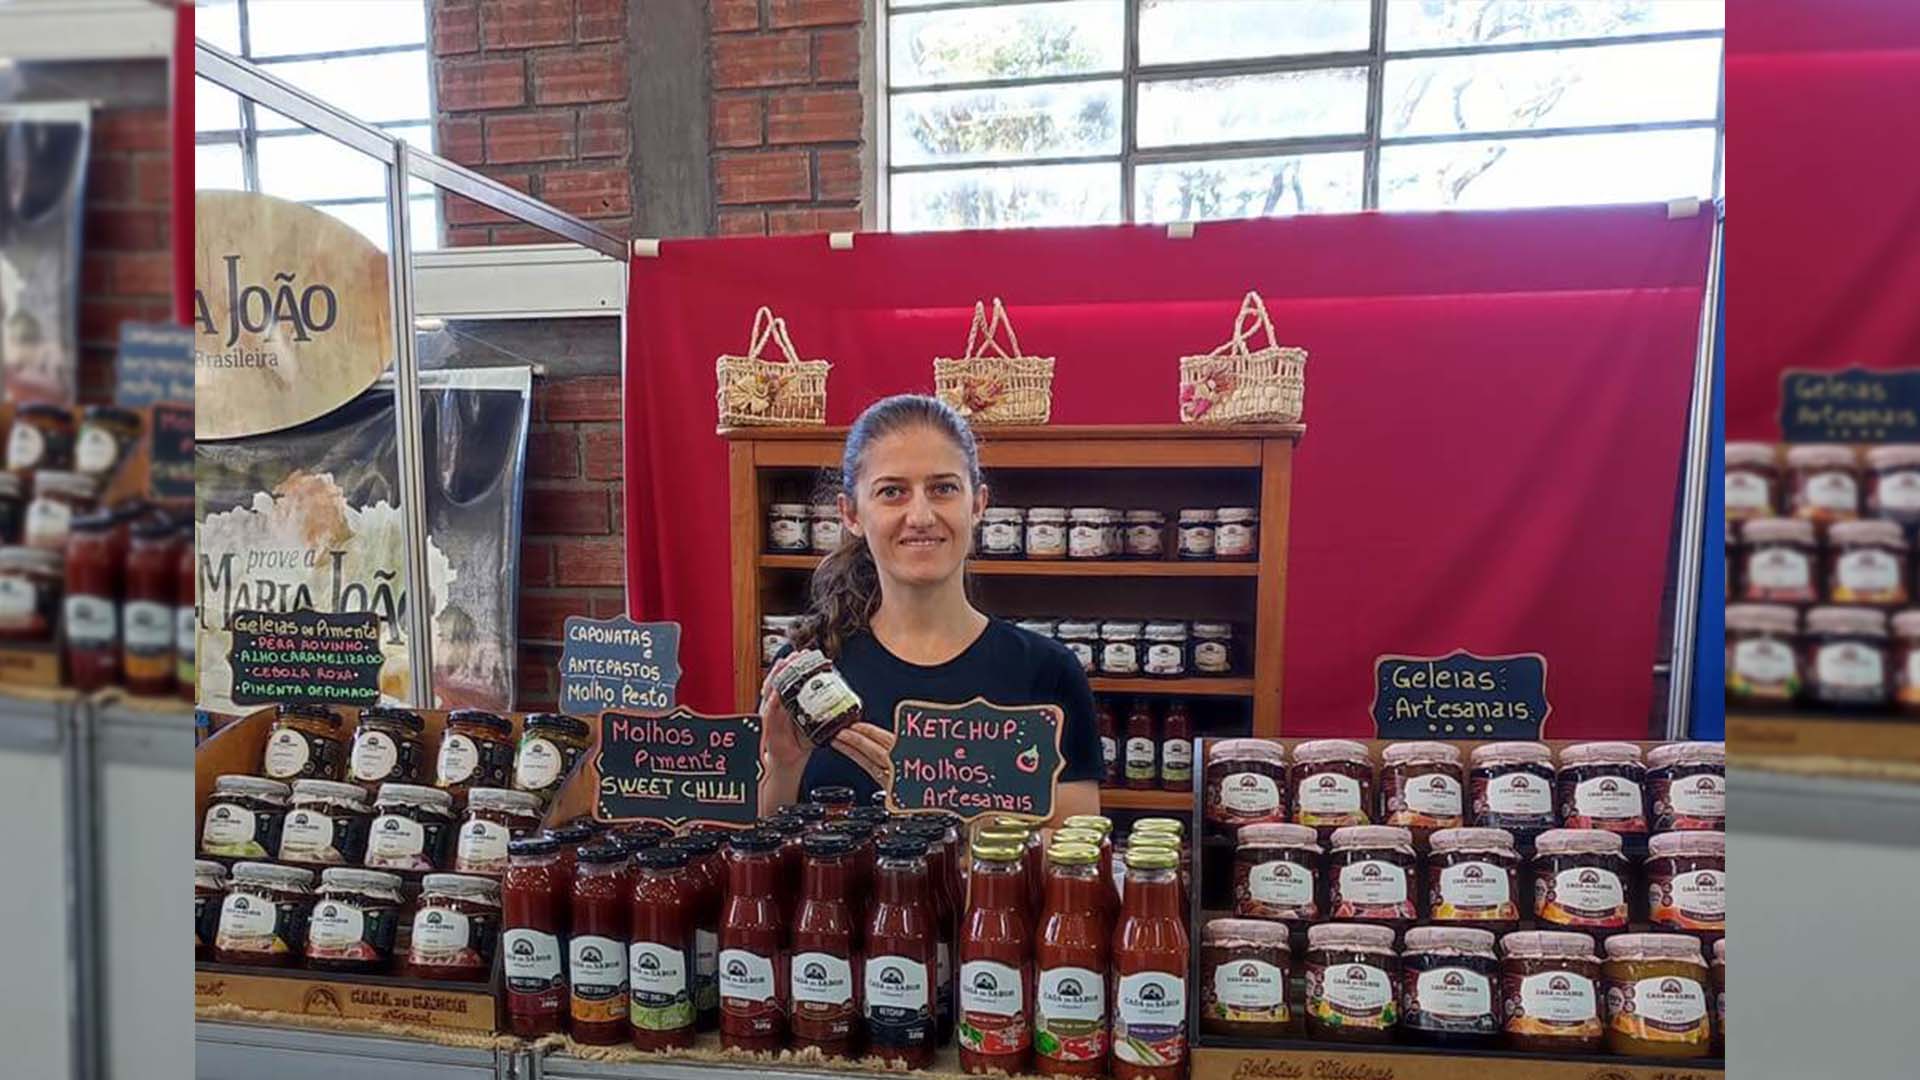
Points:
[(783, 753)]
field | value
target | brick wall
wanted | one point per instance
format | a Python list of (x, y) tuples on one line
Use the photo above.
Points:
[(125, 265)]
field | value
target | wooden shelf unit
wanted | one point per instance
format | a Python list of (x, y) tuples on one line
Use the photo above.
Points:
[(1172, 802), (1251, 594)]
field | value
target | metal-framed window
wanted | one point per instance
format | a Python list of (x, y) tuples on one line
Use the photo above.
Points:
[(367, 58), (1000, 113)]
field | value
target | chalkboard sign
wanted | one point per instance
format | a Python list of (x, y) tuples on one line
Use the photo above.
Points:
[(170, 466), (305, 657), (975, 758), (618, 664), (1851, 405), (677, 767), (154, 364), (1460, 696)]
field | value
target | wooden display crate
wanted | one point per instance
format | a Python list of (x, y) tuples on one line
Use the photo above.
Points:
[(404, 1003), (1315, 1061), (1754, 737)]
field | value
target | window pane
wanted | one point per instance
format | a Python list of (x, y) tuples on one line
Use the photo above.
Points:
[(216, 166), (975, 44), (1427, 24), (214, 108), (311, 166), (1178, 31), (1646, 166), (1281, 105), (994, 125), (217, 22), (1248, 187), (371, 219), (1006, 197), (376, 89), (1613, 84), (281, 27)]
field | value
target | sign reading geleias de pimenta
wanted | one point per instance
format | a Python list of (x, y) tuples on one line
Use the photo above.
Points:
[(306, 657), (1460, 696), (976, 758)]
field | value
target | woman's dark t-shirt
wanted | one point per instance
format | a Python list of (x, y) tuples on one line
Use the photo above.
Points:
[(1005, 664)]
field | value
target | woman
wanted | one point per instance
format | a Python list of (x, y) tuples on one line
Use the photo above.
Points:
[(890, 608)]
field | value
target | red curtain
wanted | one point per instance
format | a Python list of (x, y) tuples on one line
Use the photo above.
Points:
[(1495, 404), (1822, 268)]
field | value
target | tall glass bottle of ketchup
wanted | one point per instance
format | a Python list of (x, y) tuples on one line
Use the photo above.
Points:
[(996, 973), (901, 964), (1150, 971), (1070, 955), (1141, 752), (753, 955), (825, 1014), (706, 884), (660, 951), (597, 951), (530, 944)]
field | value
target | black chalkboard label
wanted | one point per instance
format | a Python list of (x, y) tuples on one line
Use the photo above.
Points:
[(1460, 696), (305, 657), (154, 364), (1850, 405), (170, 466), (677, 767), (618, 664), (976, 758)]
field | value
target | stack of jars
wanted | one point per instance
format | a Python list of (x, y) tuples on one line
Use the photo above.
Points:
[(1144, 648), (1103, 532)]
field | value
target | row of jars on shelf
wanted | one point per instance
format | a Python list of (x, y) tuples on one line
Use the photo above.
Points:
[(1784, 561), (1848, 658), (326, 823), (1052, 532), (1822, 482), (388, 745), (1115, 648), (1331, 783), (57, 466)]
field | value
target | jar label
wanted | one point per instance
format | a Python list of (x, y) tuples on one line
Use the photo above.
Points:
[(1281, 884), (1519, 793), (826, 695), (1667, 1008), (459, 758), (1070, 1014), (19, 603), (1250, 991), (1751, 492), (1250, 793), (482, 847), (597, 974), (149, 628), (1831, 491), (1692, 900), (442, 937), (822, 984), (1867, 574), (531, 960), (1607, 798), (337, 931), (1119, 658), (1370, 883), (1436, 795), (397, 842), (706, 970), (1196, 539), (229, 830), (1328, 795), (249, 923), (1554, 1001), (1474, 890), (1705, 795), (186, 632), (287, 753), (1082, 652), (1165, 659), (1176, 759), (770, 646), (1087, 542), (1210, 657), (787, 534), (1845, 665), (307, 836), (660, 998), (1765, 662), (1046, 539), (1143, 539), (1779, 568), (1585, 895), (1140, 759), (1454, 993), (374, 756), (1351, 995), (1000, 537), (1110, 748), (825, 535), (1899, 490), (1235, 539), (992, 1008), (1150, 1019), (48, 521), (745, 977), (95, 451), (25, 447), (91, 621), (539, 765)]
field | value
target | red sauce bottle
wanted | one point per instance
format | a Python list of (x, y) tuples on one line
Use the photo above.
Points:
[(822, 967), (1070, 955), (943, 878), (597, 951), (570, 835), (791, 830), (660, 964), (186, 617), (706, 881), (90, 621), (530, 943), (1141, 752), (996, 973), (1150, 971), (1109, 727), (1176, 748), (902, 963), (148, 616), (753, 957)]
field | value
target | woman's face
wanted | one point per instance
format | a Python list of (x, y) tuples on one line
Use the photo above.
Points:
[(915, 506)]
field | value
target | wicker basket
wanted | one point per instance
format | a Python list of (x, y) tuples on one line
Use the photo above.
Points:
[(1002, 388), (770, 392), (1235, 385)]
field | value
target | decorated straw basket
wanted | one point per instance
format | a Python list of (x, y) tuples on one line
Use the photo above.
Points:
[(1238, 384), (991, 383), (777, 390)]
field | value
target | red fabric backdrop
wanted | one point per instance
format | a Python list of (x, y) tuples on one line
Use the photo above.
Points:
[(1495, 409), (1824, 195)]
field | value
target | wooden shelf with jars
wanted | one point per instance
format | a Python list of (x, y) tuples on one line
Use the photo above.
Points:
[(1753, 738), (1164, 467)]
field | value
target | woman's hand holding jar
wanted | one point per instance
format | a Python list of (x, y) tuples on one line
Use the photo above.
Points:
[(783, 749)]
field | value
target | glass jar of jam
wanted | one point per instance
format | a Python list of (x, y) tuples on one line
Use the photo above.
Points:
[(147, 615), (1276, 873), (1236, 533), (1656, 986), (1687, 882), (776, 635), (1142, 748), (209, 887), (1845, 658), (1867, 563), (1893, 483), (1353, 983), (1246, 782), (1213, 652), (355, 920), (1332, 784), (549, 745), (1197, 528), (1450, 987), (243, 818), (263, 919), (1512, 787), (495, 817), (1372, 875), (1082, 639), (1602, 785), (1687, 784), (327, 826), (1093, 532), (31, 584), (1166, 650), (58, 498), (823, 528), (1823, 483), (1779, 565), (1120, 648), (305, 742), (1422, 787), (1002, 533), (1046, 532), (1580, 880), (1244, 965), (107, 435), (788, 528), (1550, 992), (817, 696), (387, 747), (1145, 534), (455, 928), (42, 438), (1473, 877), (1752, 481), (411, 828), (90, 621), (476, 750), (1763, 654)]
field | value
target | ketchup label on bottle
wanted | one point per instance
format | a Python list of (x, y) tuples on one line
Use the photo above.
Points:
[(91, 621), (661, 998), (822, 986), (746, 978), (149, 628), (899, 1001), (597, 971), (1150, 1019), (1109, 752), (993, 1017), (1070, 1014), (531, 961), (1177, 760)]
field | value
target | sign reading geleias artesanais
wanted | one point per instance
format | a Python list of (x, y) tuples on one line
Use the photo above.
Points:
[(1460, 696), (618, 664), (305, 657), (677, 767), (1851, 405), (976, 758)]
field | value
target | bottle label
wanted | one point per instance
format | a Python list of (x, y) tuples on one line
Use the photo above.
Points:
[(1281, 884), (1250, 991), (1520, 794), (25, 447), (993, 1017), (1370, 886), (1474, 890), (1070, 1014), (1847, 666), (482, 847), (706, 970), (1694, 900), (307, 836), (745, 978), (458, 759), (1703, 796), (1176, 759), (1165, 659), (1454, 994), (374, 756), (1328, 795), (1553, 1002), (338, 931), (1250, 793), (91, 621), (287, 753), (1351, 995), (1584, 895), (1110, 748), (1831, 491), (899, 1001), (1150, 1019), (1779, 568), (1436, 795), (442, 936), (1607, 798), (661, 999), (1666, 1008), (149, 628), (822, 985), (539, 764), (397, 842), (531, 961), (229, 830), (597, 972), (1751, 492), (1140, 759)]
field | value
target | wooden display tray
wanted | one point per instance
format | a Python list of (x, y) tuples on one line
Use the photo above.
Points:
[(25, 665), (380, 998), (1757, 736), (1322, 1062)]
